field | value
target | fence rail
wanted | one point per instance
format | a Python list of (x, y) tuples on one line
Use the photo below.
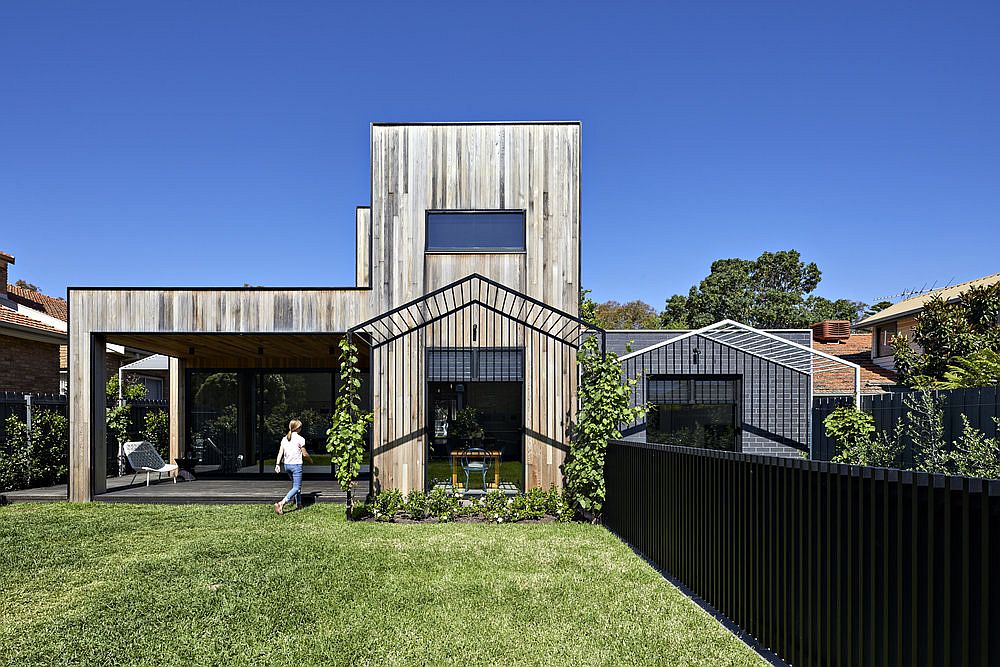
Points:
[(824, 564), (980, 405)]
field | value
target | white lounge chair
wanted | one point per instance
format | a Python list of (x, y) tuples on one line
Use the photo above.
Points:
[(143, 457)]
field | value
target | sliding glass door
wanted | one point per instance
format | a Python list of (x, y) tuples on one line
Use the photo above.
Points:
[(236, 419), (306, 396)]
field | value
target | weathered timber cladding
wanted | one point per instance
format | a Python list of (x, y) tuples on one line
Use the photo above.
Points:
[(533, 167)]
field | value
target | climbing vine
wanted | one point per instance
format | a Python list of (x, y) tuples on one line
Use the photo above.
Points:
[(605, 404), (345, 439)]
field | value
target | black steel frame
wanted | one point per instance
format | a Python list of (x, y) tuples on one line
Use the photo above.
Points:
[(255, 409)]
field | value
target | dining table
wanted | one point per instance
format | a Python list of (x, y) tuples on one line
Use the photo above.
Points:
[(458, 454)]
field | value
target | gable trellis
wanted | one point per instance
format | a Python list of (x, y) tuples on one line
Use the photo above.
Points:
[(472, 330)]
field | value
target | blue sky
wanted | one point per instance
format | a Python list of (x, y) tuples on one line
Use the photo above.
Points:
[(192, 143)]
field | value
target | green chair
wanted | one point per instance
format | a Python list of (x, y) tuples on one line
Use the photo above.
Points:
[(475, 465)]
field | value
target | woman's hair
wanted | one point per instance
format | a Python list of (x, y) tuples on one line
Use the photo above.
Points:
[(293, 427)]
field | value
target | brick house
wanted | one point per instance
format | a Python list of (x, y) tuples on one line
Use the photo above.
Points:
[(858, 350), (29, 341)]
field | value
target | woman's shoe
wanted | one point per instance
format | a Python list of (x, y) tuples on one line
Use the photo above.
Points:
[(278, 508)]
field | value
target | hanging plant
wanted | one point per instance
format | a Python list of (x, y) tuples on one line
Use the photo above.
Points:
[(345, 439), (605, 404)]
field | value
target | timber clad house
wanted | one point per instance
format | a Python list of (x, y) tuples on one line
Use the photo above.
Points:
[(468, 279), (465, 310)]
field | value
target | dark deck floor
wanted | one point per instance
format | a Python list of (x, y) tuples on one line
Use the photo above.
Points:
[(216, 491)]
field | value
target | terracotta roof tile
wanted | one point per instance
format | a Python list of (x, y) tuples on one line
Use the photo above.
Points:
[(50, 305), (857, 350), (11, 317)]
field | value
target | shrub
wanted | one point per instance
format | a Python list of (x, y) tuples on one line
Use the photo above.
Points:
[(416, 505), (386, 504), (156, 429), (979, 369), (40, 461), (442, 505), (853, 431), (924, 426), (15, 461), (495, 506), (976, 455)]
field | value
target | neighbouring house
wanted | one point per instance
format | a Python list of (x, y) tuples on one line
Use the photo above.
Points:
[(38, 360), (464, 309), (900, 318), (728, 386), (29, 341), (855, 347)]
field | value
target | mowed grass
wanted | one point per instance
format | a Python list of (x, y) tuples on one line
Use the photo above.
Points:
[(237, 585)]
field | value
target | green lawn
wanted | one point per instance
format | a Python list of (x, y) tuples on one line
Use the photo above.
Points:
[(216, 585)]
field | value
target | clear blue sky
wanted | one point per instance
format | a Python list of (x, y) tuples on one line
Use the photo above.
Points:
[(203, 143)]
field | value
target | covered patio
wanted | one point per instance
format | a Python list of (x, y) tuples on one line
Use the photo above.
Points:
[(231, 397)]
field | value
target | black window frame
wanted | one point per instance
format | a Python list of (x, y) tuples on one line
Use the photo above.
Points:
[(477, 250)]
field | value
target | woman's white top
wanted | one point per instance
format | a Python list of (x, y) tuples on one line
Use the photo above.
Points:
[(290, 451)]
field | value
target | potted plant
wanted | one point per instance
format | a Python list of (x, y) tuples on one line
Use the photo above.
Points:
[(466, 426)]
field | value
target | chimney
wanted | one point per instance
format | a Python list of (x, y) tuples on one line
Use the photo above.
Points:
[(5, 259)]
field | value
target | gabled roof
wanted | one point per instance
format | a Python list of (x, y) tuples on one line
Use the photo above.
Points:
[(50, 305), (916, 304), (474, 290), (14, 320), (769, 347)]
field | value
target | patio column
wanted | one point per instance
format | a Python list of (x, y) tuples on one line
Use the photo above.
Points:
[(87, 404), (178, 408)]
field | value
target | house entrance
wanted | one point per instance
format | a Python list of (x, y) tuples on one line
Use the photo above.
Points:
[(476, 439)]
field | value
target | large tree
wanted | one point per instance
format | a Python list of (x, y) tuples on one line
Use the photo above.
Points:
[(632, 315), (770, 292)]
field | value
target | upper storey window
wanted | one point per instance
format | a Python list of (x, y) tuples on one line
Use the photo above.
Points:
[(475, 231)]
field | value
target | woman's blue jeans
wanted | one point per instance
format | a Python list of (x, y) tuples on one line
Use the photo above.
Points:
[(294, 471)]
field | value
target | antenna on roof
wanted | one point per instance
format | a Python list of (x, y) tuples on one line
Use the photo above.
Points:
[(910, 293)]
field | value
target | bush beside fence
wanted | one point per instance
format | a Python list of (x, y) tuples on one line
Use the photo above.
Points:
[(824, 564), (15, 403), (980, 405)]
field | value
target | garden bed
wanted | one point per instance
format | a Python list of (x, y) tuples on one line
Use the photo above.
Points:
[(440, 506)]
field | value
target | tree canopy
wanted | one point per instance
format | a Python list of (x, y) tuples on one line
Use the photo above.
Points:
[(774, 291), (771, 292)]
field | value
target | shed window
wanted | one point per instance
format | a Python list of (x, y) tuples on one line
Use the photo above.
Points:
[(693, 411), (475, 231)]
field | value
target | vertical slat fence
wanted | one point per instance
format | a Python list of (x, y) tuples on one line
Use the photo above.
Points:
[(823, 564)]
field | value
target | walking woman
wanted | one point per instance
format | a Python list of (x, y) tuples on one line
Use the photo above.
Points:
[(291, 451)]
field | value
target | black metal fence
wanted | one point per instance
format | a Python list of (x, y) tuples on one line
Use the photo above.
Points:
[(15, 403), (824, 564), (980, 405)]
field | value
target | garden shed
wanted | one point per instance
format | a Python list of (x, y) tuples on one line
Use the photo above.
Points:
[(727, 386)]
